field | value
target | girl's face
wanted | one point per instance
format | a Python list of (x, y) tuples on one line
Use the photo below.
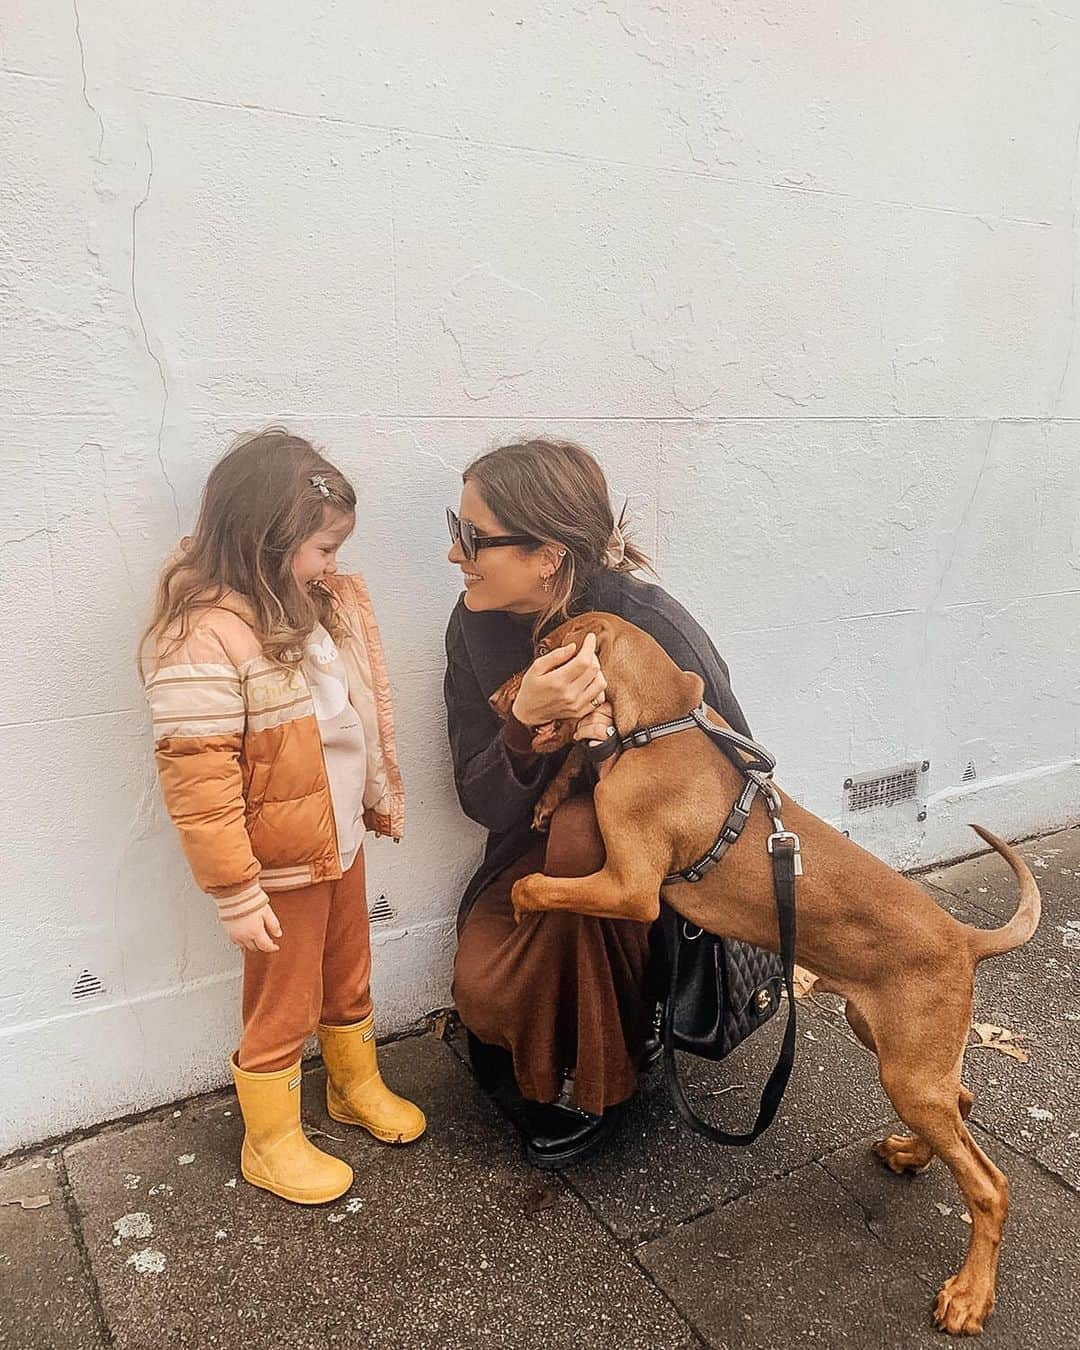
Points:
[(507, 578), (317, 555)]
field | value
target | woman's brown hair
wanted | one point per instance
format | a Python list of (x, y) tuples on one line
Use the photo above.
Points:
[(267, 494), (556, 492)]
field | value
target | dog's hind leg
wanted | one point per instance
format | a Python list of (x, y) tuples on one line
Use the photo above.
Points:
[(859, 1025), (910, 1153), (927, 1095), (899, 1152)]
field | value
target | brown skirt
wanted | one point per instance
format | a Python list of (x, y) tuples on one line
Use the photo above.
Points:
[(565, 994)]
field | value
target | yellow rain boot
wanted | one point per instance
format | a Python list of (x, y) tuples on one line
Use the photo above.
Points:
[(277, 1154), (355, 1091)]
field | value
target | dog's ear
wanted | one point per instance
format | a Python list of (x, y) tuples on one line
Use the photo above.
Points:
[(502, 700), (552, 736), (606, 635)]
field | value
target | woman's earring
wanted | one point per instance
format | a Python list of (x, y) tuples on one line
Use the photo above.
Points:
[(547, 581)]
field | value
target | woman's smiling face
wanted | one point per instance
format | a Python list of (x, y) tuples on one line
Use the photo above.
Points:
[(506, 578)]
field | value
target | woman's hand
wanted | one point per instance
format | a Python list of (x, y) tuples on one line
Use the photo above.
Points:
[(561, 686), (255, 932)]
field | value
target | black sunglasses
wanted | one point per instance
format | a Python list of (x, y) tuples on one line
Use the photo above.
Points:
[(463, 532)]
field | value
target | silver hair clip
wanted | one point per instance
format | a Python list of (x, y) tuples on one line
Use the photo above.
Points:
[(318, 481)]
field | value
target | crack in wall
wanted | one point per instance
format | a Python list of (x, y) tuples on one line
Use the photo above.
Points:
[(394, 266), (1072, 295), (145, 334), (933, 605), (85, 95), (22, 538), (589, 160), (93, 445)]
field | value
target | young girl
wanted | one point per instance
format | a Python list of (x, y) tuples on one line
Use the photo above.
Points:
[(274, 741)]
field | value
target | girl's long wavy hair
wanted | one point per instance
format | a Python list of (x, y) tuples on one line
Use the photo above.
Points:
[(557, 492), (259, 505)]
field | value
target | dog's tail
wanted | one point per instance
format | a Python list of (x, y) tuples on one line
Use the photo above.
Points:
[(991, 942)]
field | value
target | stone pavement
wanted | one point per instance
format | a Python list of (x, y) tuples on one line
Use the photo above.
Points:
[(142, 1234)]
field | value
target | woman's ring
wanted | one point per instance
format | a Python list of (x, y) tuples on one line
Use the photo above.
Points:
[(598, 700)]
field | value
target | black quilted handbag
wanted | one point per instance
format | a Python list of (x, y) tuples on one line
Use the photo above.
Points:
[(719, 994), (722, 990)]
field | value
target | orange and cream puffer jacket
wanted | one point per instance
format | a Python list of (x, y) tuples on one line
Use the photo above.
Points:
[(240, 756)]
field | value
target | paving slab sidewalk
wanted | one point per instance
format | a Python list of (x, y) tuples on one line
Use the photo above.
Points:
[(143, 1234)]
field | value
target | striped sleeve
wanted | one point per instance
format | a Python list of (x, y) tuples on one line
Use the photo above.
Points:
[(197, 706)]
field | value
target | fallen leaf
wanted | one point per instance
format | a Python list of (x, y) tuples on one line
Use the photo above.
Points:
[(803, 980), (942, 1209), (965, 1217), (987, 1031), (1003, 1040), (28, 1201)]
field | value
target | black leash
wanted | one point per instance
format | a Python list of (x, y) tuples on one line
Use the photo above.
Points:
[(784, 854), (784, 849)]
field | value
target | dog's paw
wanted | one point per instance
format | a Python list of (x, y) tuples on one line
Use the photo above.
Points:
[(904, 1153), (525, 897), (545, 738), (963, 1305), (542, 815)]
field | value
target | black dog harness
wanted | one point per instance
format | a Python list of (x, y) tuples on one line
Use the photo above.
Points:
[(757, 771), (756, 765)]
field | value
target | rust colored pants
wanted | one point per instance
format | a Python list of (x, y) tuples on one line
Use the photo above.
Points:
[(320, 973), (562, 992)]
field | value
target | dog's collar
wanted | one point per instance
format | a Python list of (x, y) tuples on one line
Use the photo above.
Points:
[(735, 745), (753, 761)]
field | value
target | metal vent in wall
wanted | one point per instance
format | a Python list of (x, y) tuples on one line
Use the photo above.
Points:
[(969, 775), (889, 787), (380, 911), (87, 986)]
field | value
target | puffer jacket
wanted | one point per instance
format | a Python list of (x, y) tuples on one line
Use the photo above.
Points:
[(240, 756)]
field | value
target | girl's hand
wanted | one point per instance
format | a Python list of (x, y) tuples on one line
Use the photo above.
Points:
[(255, 932), (561, 686)]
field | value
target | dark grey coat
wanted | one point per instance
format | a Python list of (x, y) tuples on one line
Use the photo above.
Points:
[(498, 787)]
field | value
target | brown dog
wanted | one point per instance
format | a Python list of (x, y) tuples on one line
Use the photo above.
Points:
[(905, 966)]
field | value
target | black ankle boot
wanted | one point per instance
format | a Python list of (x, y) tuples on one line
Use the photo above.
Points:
[(492, 1066), (557, 1136)]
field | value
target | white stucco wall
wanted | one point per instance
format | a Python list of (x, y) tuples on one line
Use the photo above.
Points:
[(802, 274)]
